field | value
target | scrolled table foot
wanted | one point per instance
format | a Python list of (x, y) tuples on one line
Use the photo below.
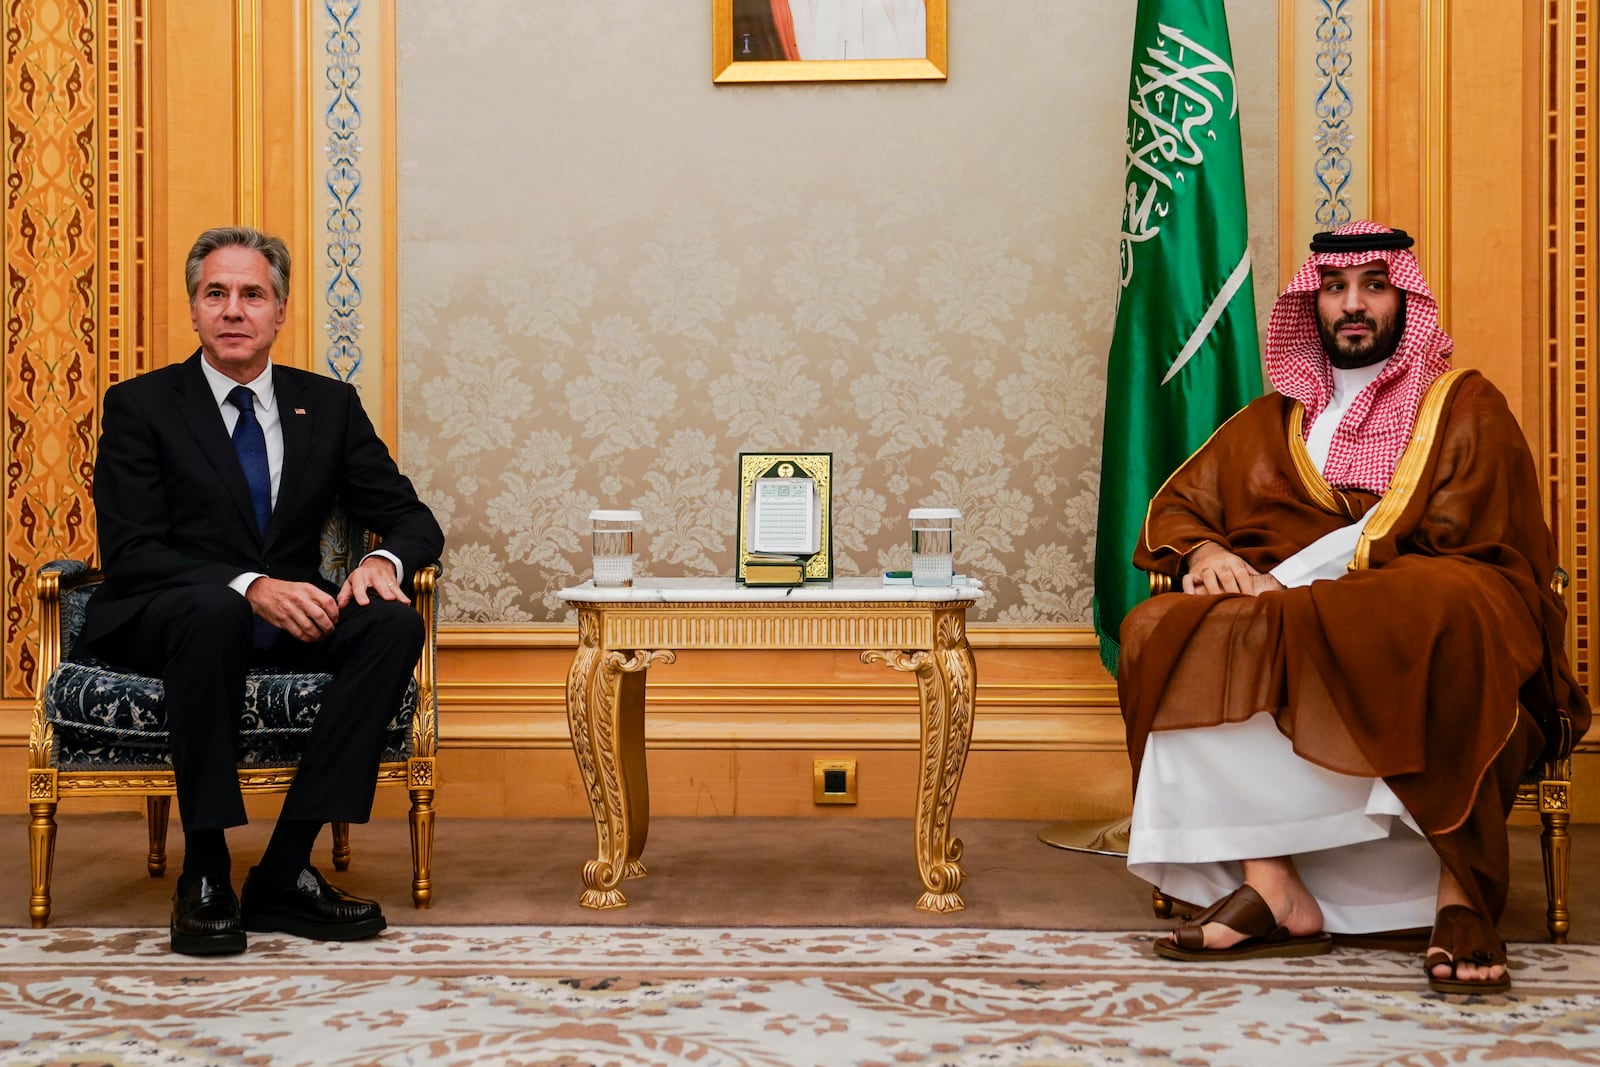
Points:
[(940, 903), (600, 887), (603, 899), (942, 881), (634, 869)]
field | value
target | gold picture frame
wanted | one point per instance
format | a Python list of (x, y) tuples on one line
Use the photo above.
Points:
[(731, 20), (817, 466)]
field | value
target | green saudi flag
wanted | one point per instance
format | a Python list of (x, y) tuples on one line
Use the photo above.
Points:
[(1184, 354)]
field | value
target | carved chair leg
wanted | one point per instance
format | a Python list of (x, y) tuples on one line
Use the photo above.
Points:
[(157, 811), (1161, 904), (341, 846), (421, 847), (1555, 843), (41, 854)]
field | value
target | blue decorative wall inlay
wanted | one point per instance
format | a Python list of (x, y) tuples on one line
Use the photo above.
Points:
[(343, 183), (1334, 136)]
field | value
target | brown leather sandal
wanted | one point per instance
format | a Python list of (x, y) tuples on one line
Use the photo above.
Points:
[(1461, 935), (1242, 910)]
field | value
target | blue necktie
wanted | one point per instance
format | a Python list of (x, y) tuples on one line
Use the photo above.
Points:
[(251, 446)]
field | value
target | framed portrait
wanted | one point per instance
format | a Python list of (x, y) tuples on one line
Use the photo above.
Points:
[(784, 532), (827, 40)]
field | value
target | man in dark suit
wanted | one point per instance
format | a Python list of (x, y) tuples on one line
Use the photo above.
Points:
[(212, 482)]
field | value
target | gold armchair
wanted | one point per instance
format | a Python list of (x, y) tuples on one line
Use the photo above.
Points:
[(100, 731)]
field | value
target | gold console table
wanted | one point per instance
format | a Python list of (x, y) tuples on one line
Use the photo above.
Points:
[(621, 632)]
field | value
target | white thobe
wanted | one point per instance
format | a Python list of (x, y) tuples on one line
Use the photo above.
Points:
[(1210, 796)]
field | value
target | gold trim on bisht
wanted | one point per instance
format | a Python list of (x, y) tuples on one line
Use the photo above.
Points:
[(1322, 494), (1144, 530), (1408, 472)]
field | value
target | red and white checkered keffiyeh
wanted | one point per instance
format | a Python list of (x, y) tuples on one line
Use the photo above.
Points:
[(1377, 425)]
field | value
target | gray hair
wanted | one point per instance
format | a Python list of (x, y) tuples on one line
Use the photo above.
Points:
[(273, 248)]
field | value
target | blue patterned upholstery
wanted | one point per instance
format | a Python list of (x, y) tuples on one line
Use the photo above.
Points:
[(104, 718), (107, 719)]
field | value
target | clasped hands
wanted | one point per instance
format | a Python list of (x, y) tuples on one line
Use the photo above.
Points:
[(1213, 569), (306, 613)]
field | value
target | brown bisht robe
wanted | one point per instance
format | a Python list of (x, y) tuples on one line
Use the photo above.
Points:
[(1434, 668)]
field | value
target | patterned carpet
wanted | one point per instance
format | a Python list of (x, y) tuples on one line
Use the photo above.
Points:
[(575, 995)]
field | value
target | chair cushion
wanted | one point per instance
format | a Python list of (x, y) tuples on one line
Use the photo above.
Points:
[(105, 718)]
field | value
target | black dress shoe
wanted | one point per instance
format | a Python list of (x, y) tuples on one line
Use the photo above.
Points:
[(308, 908), (205, 918)]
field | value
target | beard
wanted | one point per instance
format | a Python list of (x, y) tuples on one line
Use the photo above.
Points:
[(1383, 337)]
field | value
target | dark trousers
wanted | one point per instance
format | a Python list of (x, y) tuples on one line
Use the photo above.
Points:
[(198, 641)]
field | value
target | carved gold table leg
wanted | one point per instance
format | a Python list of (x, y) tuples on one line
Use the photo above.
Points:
[(946, 679), (605, 715), (634, 774)]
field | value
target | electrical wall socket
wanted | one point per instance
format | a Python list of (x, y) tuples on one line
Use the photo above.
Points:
[(833, 781)]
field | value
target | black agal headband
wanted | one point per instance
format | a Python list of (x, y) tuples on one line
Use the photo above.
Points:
[(1328, 241)]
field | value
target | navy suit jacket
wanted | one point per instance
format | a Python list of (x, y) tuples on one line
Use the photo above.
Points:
[(173, 507)]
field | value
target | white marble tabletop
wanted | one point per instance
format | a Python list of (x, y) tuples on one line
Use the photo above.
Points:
[(728, 591)]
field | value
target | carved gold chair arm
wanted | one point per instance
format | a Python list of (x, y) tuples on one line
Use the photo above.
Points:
[(425, 724), (53, 581)]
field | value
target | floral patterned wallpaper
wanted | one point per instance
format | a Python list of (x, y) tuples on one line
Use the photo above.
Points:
[(615, 276)]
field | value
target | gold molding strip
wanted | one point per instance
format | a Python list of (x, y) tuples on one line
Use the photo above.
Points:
[(886, 731), (140, 783), (247, 110), (123, 325), (562, 636), (61, 188), (1565, 309), (774, 698), (1435, 238), (388, 219), (1288, 163), (288, 203)]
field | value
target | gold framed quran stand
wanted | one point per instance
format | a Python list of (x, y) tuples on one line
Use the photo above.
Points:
[(784, 532)]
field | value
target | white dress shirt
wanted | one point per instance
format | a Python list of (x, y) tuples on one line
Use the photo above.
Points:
[(1329, 556), (268, 415), (1347, 385)]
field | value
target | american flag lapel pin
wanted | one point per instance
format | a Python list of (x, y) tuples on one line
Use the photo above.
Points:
[(299, 411)]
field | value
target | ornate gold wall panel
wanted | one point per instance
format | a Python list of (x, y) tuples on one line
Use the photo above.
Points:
[(74, 222)]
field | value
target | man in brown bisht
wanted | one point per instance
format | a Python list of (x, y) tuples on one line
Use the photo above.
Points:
[(1327, 731)]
